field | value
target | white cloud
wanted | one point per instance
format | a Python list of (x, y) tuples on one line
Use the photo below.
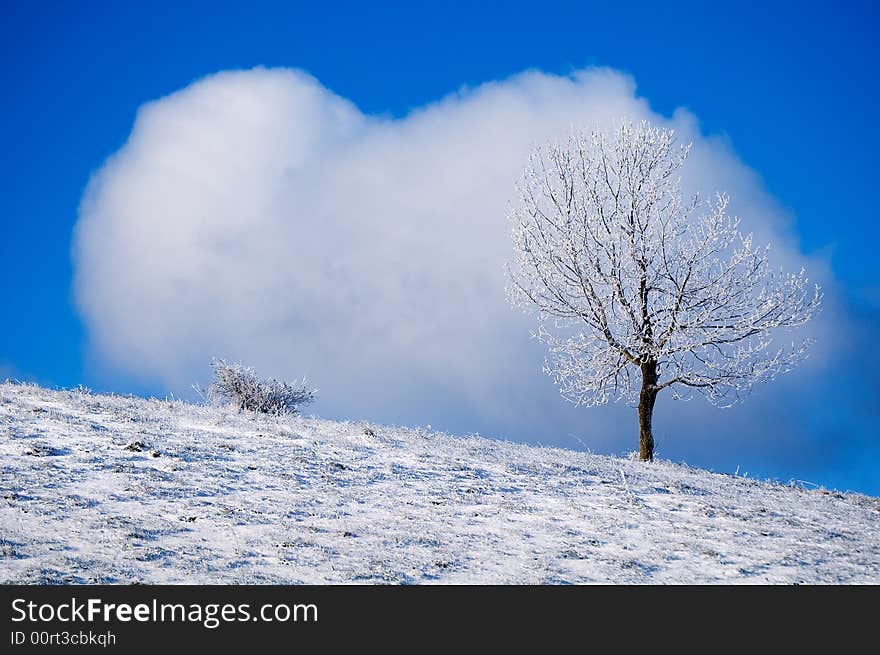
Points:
[(256, 215)]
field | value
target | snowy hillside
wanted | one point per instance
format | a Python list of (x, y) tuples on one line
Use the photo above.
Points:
[(113, 489)]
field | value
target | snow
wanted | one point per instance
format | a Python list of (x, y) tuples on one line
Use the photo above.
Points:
[(114, 489)]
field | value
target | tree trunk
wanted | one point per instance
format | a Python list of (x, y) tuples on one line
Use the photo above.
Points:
[(647, 396)]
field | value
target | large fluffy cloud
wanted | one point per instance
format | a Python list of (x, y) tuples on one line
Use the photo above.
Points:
[(256, 215)]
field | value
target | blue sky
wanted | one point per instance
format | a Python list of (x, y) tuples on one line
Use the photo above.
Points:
[(792, 87)]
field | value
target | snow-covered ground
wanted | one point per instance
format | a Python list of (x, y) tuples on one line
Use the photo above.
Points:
[(113, 489)]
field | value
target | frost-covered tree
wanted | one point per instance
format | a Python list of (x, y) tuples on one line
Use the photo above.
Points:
[(639, 289)]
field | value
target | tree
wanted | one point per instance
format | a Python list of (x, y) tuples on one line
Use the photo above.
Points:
[(636, 288)]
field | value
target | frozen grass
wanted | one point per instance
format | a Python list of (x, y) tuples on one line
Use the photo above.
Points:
[(115, 489)]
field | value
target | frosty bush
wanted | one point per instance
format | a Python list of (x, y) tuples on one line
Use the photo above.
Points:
[(239, 385)]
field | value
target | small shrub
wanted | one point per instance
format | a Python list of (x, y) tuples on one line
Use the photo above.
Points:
[(239, 385)]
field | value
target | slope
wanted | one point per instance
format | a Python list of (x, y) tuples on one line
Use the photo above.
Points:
[(113, 489)]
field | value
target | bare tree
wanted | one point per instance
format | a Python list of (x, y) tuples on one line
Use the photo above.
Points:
[(638, 289)]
